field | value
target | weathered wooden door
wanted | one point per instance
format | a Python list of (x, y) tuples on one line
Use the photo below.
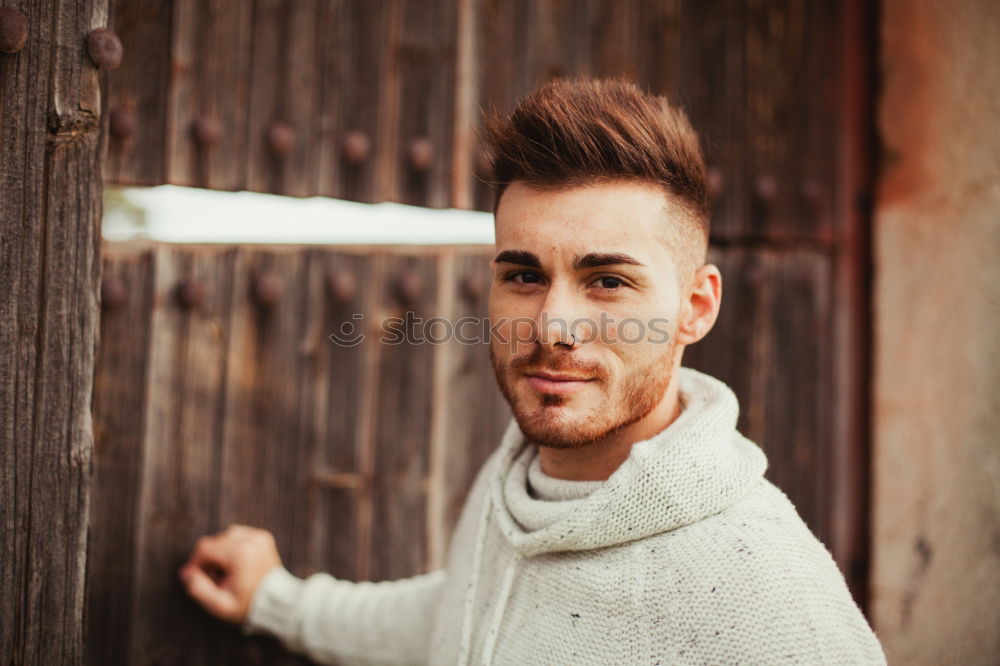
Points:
[(50, 205)]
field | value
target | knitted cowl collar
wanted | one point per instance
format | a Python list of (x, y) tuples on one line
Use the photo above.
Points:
[(699, 465)]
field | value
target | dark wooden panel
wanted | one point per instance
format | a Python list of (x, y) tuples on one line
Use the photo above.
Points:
[(339, 392), (265, 457), (770, 345), (468, 434), (209, 96), (120, 395), (139, 93), (402, 417), (50, 203), (180, 456), (758, 80), (426, 71), (358, 99), (283, 98)]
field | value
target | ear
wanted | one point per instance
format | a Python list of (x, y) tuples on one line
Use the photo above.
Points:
[(701, 306)]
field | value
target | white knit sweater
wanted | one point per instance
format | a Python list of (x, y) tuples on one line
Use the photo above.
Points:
[(685, 555)]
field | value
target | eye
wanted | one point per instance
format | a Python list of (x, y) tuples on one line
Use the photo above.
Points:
[(523, 277), (609, 282)]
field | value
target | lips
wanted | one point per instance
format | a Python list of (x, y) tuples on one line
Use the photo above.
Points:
[(546, 382)]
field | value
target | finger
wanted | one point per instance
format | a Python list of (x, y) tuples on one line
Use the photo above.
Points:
[(214, 599), (211, 551)]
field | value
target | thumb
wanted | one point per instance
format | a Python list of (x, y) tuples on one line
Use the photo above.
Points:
[(219, 602)]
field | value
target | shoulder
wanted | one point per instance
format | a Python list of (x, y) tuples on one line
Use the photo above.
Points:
[(752, 583)]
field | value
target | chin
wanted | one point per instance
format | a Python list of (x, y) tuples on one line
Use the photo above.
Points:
[(560, 422)]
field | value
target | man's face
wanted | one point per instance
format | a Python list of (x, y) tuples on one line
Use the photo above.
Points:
[(596, 261)]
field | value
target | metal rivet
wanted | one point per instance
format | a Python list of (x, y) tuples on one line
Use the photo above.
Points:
[(420, 154), (207, 130), (122, 121), (356, 147), (114, 293), (811, 192), (105, 48), (766, 187), (342, 285), (13, 30), (281, 139), (190, 294), (408, 288), (753, 274), (472, 287), (267, 289), (716, 181)]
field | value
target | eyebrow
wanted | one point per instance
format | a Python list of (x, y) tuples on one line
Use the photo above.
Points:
[(521, 257), (589, 260), (595, 259)]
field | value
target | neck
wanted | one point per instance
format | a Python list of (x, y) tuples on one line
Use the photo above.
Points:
[(599, 459)]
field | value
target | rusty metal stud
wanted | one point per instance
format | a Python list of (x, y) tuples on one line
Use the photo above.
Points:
[(420, 154), (122, 122), (356, 147), (281, 139), (114, 293), (267, 289), (472, 287), (811, 193), (766, 187), (207, 130), (190, 294), (13, 30), (342, 285), (716, 182), (105, 48), (408, 288), (753, 274)]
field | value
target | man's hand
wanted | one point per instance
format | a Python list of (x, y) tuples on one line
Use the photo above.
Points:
[(224, 570)]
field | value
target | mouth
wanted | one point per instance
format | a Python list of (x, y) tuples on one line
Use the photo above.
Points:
[(562, 384)]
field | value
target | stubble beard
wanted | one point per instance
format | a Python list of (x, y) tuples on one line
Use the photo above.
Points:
[(627, 401)]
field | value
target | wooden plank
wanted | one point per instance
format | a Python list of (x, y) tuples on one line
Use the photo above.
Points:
[(282, 157), (121, 391), (263, 457), (426, 53), (181, 460), (139, 92), (341, 290), (50, 202), (462, 437), (402, 418), (357, 104), (209, 95)]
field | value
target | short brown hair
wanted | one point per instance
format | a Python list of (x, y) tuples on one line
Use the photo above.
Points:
[(579, 131)]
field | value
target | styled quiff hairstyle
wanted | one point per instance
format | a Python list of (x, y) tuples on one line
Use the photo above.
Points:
[(575, 132)]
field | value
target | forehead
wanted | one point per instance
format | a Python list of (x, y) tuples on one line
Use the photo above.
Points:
[(623, 216)]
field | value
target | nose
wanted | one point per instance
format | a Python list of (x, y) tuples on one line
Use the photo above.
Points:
[(559, 319)]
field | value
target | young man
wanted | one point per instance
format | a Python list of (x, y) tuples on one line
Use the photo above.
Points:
[(623, 519)]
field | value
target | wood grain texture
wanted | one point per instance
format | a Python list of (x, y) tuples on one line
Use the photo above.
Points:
[(140, 88), (401, 431), (469, 414), (210, 77), (180, 453), (50, 206), (120, 395)]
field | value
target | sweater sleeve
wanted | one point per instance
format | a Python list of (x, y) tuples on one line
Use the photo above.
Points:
[(335, 621)]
